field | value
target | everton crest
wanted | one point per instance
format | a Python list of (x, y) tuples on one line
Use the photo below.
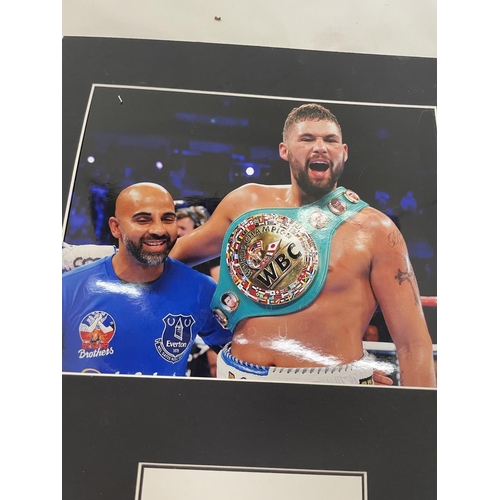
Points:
[(176, 338), (271, 258)]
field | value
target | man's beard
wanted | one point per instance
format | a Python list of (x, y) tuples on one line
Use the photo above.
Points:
[(315, 189), (145, 257)]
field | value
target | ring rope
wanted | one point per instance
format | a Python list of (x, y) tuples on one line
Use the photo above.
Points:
[(428, 301)]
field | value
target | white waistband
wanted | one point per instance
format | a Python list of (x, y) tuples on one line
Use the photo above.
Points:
[(358, 372)]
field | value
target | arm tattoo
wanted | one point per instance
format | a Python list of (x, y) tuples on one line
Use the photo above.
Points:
[(409, 276), (394, 238)]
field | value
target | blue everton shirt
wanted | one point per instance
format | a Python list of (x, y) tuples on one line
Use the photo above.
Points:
[(111, 326)]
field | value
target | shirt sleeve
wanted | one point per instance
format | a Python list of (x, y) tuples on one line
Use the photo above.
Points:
[(212, 332)]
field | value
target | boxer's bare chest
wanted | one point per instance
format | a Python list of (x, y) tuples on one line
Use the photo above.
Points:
[(333, 324), (351, 243)]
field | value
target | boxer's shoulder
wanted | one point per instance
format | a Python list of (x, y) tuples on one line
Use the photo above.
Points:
[(370, 229), (379, 231), (251, 196), (370, 218)]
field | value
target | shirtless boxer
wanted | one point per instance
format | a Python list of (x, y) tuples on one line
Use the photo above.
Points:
[(327, 261)]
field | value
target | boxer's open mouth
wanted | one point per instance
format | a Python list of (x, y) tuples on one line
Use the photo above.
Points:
[(319, 166)]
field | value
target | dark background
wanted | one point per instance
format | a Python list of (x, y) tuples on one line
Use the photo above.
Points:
[(200, 146), (389, 432)]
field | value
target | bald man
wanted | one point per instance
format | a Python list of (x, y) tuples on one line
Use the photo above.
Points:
[(137, 311)]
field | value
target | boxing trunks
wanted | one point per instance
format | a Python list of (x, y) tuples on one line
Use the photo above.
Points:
[(277, 258), (356, 373)]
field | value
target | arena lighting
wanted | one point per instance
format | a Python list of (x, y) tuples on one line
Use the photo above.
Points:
[(91, 159), (159, 165), (251, 169), (227, 121)]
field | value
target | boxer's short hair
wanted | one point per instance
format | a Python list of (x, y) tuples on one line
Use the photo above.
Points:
[(308, 112)]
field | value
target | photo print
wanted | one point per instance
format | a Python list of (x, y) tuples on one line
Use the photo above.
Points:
[(202, 145)]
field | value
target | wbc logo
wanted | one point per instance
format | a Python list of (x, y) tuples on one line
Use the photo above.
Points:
[(257, 257), (271, 258)]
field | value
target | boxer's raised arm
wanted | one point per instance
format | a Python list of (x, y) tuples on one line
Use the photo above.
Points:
[(204, 243)]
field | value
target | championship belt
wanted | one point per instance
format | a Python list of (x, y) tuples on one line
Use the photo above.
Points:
[(277, 258)]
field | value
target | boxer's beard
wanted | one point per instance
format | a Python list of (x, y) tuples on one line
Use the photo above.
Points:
[(315, 189), (143, 256)]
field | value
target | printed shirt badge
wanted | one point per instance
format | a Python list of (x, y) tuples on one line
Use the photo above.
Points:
[(96, 330), (271, 258), (176, 337)]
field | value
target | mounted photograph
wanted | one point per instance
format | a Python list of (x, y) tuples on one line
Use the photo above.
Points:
[(249, 270), (253, 237)]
